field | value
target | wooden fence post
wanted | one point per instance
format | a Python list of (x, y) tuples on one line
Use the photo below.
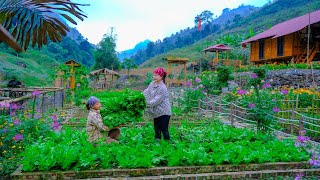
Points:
[(231, 114), (301, 128), (293, 113), (199, 105), (42, 104), (213, 109), (62, 97), (54, 100)]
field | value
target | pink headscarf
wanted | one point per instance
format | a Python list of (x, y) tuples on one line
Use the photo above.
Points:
[(160, 71)]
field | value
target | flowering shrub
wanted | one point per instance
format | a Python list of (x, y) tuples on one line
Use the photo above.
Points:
[(18, 131), (195, 90), (261, 101)]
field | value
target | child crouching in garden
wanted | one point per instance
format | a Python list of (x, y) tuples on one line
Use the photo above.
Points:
[(95, 127)]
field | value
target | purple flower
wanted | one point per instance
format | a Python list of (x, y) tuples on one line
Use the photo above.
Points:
[(78, 84), (55, 125), (6, 104), (302, 139), (242, 92), (16, 121), (54, 117), (314, 161), (251, 105), (4, 130), (266, 85), (284, 91), (276, 109), (188, 83), (12, 113), (14, 106), (37, 116), (299, 176), (18, 137), (198, 80), (36, 93), (254, 76)]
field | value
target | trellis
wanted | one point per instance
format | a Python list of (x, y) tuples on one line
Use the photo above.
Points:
[(48, 98)]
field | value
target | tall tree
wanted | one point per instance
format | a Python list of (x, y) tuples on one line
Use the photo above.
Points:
[(105, 54), (32, 21), (205, 17), (128, 64)]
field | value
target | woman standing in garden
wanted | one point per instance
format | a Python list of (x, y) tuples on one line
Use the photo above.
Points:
[(95, 126), (158, 105)]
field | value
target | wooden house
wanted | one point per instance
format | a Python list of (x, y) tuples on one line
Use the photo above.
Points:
[(288, 41)]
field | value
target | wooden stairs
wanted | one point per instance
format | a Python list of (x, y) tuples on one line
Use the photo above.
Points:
[(302, 57)]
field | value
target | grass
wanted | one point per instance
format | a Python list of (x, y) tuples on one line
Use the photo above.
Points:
[(38, 71)]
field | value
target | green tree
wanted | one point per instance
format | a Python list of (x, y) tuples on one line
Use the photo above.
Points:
[(128, 64), (23, 22), (105, 54), (206, 17)]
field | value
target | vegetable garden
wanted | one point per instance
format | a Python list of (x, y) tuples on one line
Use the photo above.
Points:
[(205, 141)]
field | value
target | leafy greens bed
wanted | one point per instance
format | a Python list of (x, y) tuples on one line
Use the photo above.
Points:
[(208, 144), (121, 107)]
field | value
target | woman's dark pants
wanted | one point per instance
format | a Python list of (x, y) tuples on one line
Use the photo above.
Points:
[(161, 125)]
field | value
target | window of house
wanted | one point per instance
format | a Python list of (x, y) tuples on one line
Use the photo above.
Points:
[(261, 49), (280, 44)]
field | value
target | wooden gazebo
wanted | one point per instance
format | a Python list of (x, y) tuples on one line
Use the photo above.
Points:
[(218, 48), (107, 80), (177, 60)]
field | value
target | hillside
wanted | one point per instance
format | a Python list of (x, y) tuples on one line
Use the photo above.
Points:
[(35, 67), (258, 21), (189, 36), (31, 68)]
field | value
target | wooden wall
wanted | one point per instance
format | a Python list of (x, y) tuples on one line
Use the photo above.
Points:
[(270, 48)]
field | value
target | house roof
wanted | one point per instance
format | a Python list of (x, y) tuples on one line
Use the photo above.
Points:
[(287, 27), (104, 71), (217, 47)]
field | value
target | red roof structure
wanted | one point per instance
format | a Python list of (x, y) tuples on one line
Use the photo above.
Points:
[(287, 27), (217, 47)]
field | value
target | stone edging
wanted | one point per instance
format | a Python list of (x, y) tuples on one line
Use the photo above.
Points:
[(158, 171)]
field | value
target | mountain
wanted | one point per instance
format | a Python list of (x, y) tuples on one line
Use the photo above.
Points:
[(36, 67), (130, 52), (239, 29), (189, 35)]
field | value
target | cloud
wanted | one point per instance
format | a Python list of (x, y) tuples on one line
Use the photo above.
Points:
[(137, 20)]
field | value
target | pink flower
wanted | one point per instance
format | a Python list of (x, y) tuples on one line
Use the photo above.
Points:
[(54, 117), (242, 92), (284, 91), (266, 85), (251, 105), (254, 76), (198, 80), (299, 176), (276, 109), (14, 106), (188, 83), (36, 93), (18, 137), (78, 84), (16, 121)]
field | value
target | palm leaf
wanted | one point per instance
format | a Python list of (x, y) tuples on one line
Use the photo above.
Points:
[(34, 21), (9, 39)]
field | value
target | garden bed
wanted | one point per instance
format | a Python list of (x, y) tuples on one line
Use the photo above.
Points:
[(235, 171)]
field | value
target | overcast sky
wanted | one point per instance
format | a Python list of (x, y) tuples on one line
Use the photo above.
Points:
[(137, 20)]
